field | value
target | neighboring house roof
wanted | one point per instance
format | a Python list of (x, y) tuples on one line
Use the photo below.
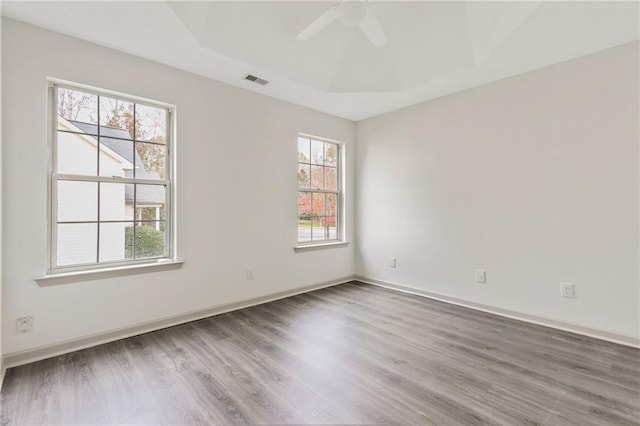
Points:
[(119, 141), (69, 126)]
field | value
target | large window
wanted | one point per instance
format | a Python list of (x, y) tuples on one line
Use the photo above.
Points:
[(319, 190), (110, 179)]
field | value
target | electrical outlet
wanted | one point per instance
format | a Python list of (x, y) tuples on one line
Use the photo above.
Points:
[(392, 262), (481, 276), (251, 273), (567, 290), (24, 325)]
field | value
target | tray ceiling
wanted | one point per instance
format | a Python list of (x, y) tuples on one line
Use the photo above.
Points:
[(433, 48)]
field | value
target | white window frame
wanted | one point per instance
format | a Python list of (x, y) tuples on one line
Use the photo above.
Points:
[(340, 211), (54, 177)]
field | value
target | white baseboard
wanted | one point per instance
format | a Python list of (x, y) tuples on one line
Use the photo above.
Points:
[(15, 359), (633, 341), (3, 369)]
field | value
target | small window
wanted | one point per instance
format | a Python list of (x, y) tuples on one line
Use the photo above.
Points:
[(110, 179), (319, 191)]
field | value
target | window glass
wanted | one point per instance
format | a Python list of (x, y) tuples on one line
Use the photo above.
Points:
[(107, 150), (319, 190)]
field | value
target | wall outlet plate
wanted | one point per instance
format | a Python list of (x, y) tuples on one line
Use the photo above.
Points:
[(24, 324), (567, 290), (251, 273), (392, 262), (481, 276)]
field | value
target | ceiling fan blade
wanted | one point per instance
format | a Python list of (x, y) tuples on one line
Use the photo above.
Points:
[(372, 29), (322, 21)]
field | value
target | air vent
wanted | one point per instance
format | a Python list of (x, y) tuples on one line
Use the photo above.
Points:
[(256, 79)]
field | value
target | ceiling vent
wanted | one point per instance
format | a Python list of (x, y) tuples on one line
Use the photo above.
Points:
[(256, 79)]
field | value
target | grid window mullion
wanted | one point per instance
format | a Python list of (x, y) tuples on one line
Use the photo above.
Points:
[(133, 154), (98, 230), (135, 209), (110, 179), (311, 217), (98, 174)]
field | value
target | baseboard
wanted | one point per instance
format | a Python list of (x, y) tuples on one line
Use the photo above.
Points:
[(3, 370), (15, 359), (533, 319)]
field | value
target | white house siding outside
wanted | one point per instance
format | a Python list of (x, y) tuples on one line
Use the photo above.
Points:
[(78, 201)]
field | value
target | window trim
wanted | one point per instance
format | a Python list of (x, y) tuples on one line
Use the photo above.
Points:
[(340, 241), (53, 178)]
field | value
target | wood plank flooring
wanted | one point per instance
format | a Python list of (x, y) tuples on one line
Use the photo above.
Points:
[(350, 354)]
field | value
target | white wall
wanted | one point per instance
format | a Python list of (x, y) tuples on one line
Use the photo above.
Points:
[(236, 187), (1, 228), (533, 178)]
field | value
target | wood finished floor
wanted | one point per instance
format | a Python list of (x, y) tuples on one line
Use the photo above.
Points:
[(350, 354)]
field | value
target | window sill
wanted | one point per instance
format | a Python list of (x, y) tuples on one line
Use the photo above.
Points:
[(310, 247), (116, 271)]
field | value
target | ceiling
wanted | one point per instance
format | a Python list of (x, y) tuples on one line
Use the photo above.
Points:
[(433, 48)]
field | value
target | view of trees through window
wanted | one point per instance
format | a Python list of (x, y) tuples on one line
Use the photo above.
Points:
[(318, 190), (110, 179)]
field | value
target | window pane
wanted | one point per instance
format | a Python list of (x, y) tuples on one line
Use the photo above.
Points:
[(324, 228), (304, 176), (317, 178), (116, 242), (304, 205), (116, 201), (101, 221), (116, 118), (77, 201), (149, 239), (149, 213), (332, 226), (304, 150), (318, 229), (77, 243), (150, 161), (331, 204), (317, 152), (77, 154), (304, 229), (76, 106), (331, 154), (151, 124), (304, 216), (150, 202), (116, 157), (317, 201), (330, 178), (318, 212)]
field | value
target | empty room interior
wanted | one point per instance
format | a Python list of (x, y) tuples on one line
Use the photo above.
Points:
[(320, 212)]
